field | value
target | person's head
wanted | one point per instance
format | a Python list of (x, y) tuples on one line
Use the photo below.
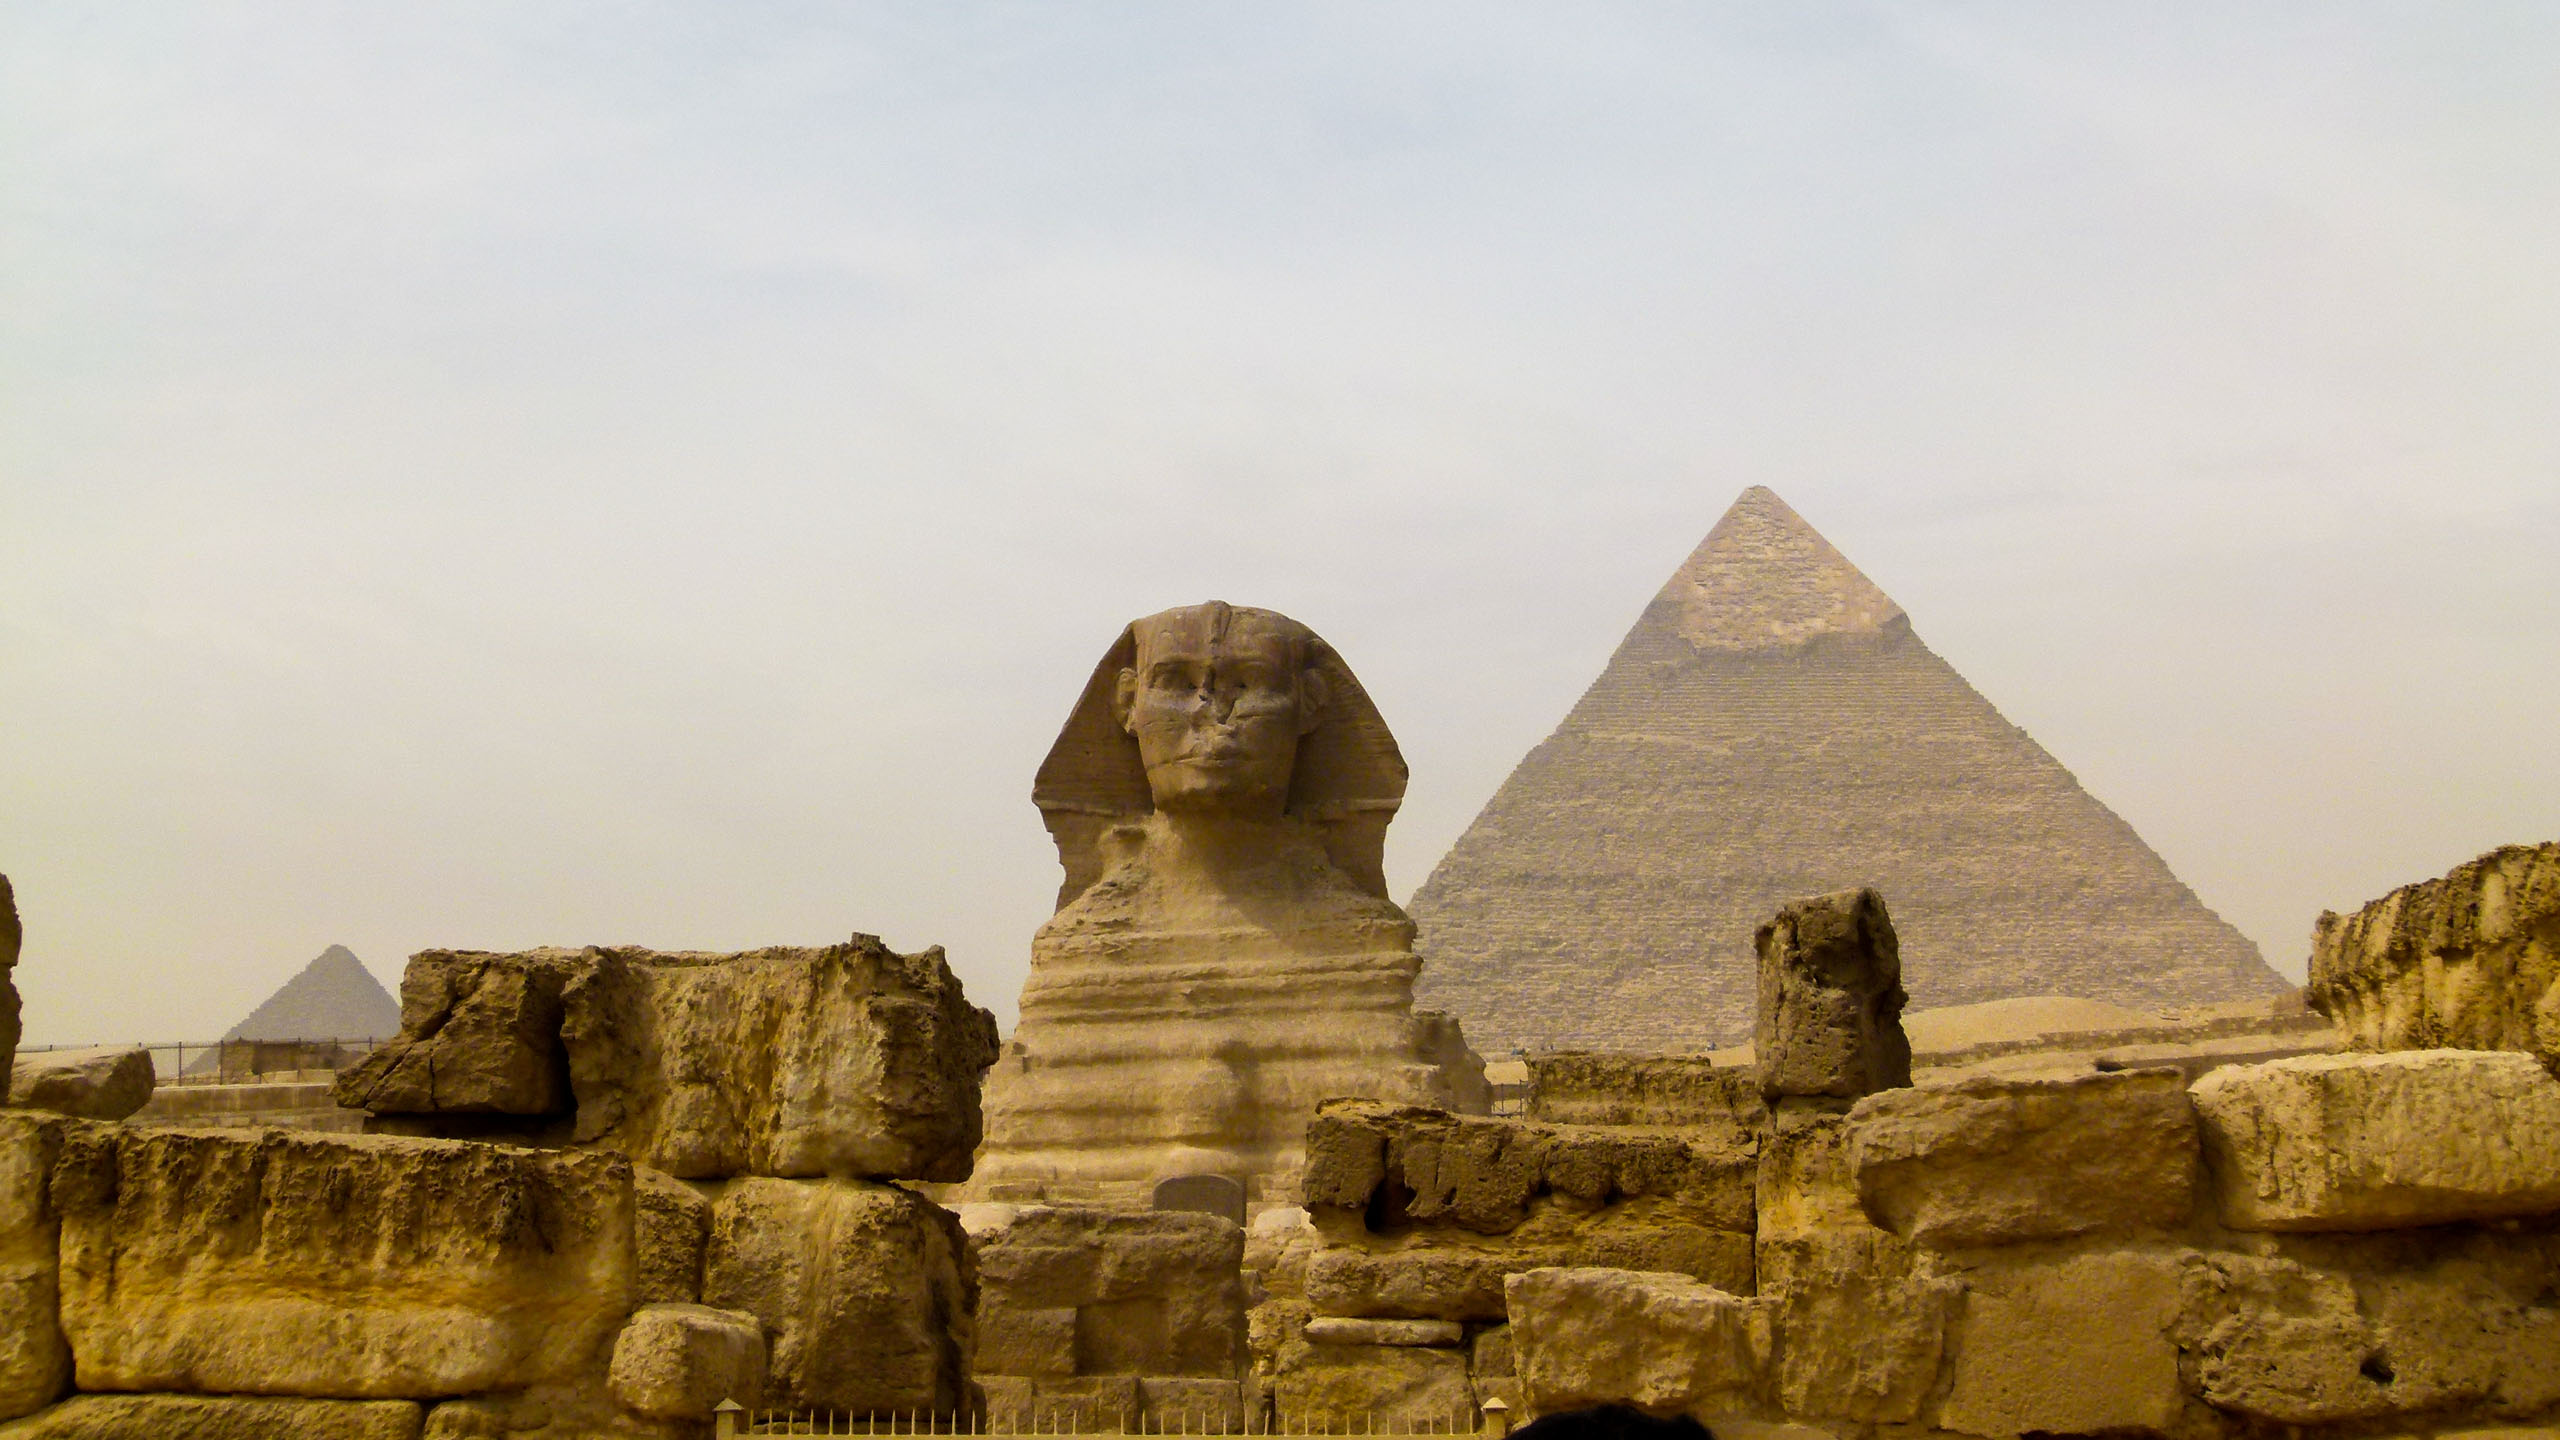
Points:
[(1217, 699), (1611, 1422)]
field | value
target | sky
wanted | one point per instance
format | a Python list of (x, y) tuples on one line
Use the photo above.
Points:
[(489, 475)]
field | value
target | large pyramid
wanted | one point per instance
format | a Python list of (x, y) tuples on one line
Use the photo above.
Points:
[(334, 998), (1772, 728)]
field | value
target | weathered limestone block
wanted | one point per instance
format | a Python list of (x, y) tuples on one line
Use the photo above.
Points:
[(1661, 1343), (671, 1225), (479, 1034), (12, 938), (846, 1060), (1859, 1332), (1424, 1212), (1063, 1405), (217, 1417), (1224, 955), (1337, 1330), (2467, 962), (866, 1292), (676, 1362), (1354, 1385), (2424, 1324), (2079, 1346), (1830, 1018), (35, 1362), (104, 1084), (1414, 1284), (2368, 1142), (1191, 1405), (362, 1267), (1590, 1088), (1993, 1161), (1109, 1292)]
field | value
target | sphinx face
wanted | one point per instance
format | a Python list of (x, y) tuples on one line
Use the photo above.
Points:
[(1217, 701)]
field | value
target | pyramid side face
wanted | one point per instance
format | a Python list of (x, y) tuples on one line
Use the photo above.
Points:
[(1606, 897), (1763, 579), (334, 998)]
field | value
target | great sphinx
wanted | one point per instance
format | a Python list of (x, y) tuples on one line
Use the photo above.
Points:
[(1224, 955)]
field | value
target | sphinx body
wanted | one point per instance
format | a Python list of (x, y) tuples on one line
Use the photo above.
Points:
[(1224, 956)]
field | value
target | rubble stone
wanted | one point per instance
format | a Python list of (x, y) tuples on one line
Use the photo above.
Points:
[(1156, 1293), (2079, 1347), (2467, 962), (847, 1060), (1662, 1343), (1830, 1016), (35, 1362), (866, 1292), (361, 1267), (2367, 1142), (1354, 1386), (479, 1034), (104, 1084), (676, 1362), (217, 1417), (1993, 1161)]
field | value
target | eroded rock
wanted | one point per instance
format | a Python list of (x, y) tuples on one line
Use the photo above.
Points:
[(1995, 1161), (12, 939), (2078, 1346), (2470, 961), (1584, 1088), (1357, 1386), (1337, 1330), (671, 1225), (866, 1292), (1076, 1291), (1830, 1016), (35, 1361), (1661, 1343), (218, 1417), (479, 1034), (291, 1263), (676, 1362), (2369, 1142), (109, 1083)]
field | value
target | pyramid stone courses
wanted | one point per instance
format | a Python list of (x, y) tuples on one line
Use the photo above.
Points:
[(334, 998), (1770, 729)]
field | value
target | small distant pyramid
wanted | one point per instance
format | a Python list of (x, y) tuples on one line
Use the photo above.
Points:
[(1772, 728), (334, 998)]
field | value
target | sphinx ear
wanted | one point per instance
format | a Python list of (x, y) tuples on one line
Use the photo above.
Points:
[(1313, 696), (1124, 698)]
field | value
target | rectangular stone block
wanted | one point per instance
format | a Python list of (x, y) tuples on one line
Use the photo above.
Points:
[(2369, 1142), (218, 1417), (1411, 1284), (845, 1060), (1147, 1292), (1992, 1161), (1682, 1091), (359, 1267), (1663, 1343), (1019, 1341), (35, 1362), (1394, 1389), (1191, 1405), (2076, 1347), (866, 1292), (2470, 961)]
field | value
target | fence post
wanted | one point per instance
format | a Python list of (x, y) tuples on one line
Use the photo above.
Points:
[(1497, 1418), (724, 1419)]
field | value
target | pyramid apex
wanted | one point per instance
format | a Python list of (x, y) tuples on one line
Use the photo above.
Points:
[(1763, 579)]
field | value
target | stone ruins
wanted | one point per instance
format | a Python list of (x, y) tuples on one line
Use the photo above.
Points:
[(1772, 728), (1224, 955), (1225, 1180)]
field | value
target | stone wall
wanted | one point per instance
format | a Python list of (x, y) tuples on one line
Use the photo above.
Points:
[(2470, 960), (543, 1281)]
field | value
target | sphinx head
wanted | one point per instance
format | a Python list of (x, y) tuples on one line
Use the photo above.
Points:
[(1218, 699)]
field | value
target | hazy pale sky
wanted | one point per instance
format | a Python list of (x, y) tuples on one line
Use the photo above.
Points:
[(512, 474)]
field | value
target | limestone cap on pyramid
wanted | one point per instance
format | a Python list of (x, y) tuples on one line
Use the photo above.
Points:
[(1763, 579)]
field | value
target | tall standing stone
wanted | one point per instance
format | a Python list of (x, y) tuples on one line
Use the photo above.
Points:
[(10, 938), (1771, 727), (1830, 1017)]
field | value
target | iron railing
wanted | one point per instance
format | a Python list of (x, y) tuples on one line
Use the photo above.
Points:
[(236, 1062)]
